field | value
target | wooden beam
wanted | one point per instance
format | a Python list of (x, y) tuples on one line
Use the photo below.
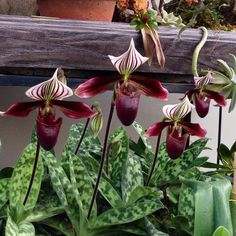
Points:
[(36, 43)]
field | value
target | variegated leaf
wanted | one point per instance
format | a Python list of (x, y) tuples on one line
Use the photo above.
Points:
[(81, 182), (64, 189), (171, 170), (21, 229), (4, 191), (107, 191), (61, 224), (127, 214), (152, 231), (132, 176), (21, 177), (141, 132), (144, 191), (186, 204), (117, 163), (88, 145)]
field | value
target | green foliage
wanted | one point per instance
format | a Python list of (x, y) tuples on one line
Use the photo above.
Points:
[(64, 189), (214, 193), (199, 13), (118, 161), (131, 177), (145, 20), (128, 213), (21, 177), (22, 229), (172, 205), (4, 193), (221, 231)]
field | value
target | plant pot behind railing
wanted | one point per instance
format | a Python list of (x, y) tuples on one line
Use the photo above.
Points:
[(99, 10)]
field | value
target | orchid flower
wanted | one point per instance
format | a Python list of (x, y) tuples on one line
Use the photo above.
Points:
[(178, 130), (128, 88), (202, 95), (49, 94)]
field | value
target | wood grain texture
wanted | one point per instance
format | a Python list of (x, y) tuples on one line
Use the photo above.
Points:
[(49, 43)]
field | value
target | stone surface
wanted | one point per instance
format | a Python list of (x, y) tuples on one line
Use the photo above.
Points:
[(18, 7)]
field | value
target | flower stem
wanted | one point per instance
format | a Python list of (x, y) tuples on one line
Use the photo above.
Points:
[(102, 158), (154, 160), (82, 136), (33, 173), (198, 49), (107, 158), (234, 180)]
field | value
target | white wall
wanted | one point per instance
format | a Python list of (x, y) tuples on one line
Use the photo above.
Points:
[(15, 132)]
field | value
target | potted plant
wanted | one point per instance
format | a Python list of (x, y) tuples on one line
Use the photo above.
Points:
[(121, 187), (78, 9)]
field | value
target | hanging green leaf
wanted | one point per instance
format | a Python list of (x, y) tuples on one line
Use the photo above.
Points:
[(213, 193), (21, 178)]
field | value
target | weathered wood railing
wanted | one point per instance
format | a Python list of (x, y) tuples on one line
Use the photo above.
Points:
[(30, 48)]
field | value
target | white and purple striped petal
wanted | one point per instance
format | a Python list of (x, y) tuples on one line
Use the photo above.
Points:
[(201, 82), (178, 111), (52, 89), (128, 61)]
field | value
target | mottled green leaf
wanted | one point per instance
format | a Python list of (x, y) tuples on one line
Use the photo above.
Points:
[(4, 185), (174, 168), (142, 191), (21, 177), (63, 187), (21, 229), (131, 176), (60, 224), (186, 204), (128, 213), (89, 144), (107, 191), (152, 231), (81, 182), (117, 163), (139, 129)]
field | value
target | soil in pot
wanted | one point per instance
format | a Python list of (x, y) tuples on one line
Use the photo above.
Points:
[(100, 10)]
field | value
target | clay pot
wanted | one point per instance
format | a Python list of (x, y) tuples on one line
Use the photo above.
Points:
[(99, 10)]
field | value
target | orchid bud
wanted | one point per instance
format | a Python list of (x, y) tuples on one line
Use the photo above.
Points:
[(115, 148), (61, 76), (97, 121)]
